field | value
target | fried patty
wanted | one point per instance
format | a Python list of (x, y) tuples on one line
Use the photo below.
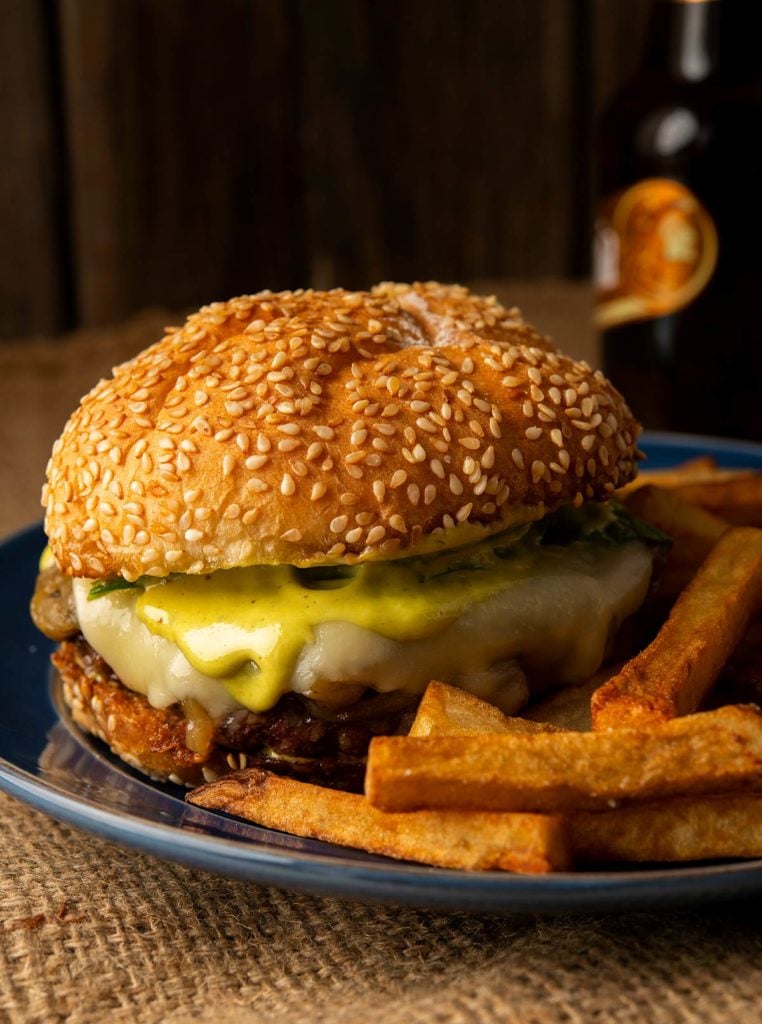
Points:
[(296, 737)]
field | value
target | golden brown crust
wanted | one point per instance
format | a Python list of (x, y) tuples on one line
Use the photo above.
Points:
[(147, 738), (304, 426)]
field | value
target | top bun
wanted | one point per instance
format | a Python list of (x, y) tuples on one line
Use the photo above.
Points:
[(306, 426)]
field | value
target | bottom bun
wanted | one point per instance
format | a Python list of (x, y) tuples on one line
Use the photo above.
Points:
[(297, 737)]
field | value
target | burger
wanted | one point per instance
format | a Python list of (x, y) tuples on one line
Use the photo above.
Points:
[(271, 529)]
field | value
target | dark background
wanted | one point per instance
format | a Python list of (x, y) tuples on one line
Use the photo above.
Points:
[(175, 151)]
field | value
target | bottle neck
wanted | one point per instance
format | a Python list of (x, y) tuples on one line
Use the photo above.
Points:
[(683, 38)]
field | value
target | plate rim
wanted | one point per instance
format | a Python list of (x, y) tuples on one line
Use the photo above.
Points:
[(399, 882)]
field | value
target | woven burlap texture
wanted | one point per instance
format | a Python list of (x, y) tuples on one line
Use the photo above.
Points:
[(92, 933)]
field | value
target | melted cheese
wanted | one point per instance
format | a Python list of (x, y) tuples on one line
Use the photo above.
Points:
[(246, 636)]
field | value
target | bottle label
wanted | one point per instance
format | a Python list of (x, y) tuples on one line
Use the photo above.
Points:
[(655, 249)]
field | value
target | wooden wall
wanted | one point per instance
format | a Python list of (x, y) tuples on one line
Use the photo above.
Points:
[(173, 151)]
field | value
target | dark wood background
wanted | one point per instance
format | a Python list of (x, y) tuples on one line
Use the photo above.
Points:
[(174, 151)]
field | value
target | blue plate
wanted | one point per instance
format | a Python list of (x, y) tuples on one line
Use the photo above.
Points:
[(49, 764)]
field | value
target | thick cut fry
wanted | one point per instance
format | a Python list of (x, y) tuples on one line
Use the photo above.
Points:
[(674, 673), (693, 530), (677, 517), (737, 499), (446, 710), (526, 843), (685, 828), (569, 708), (713, 752), (698, 470)]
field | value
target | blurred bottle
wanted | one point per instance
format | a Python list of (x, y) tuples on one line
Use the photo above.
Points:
[(678, 239)]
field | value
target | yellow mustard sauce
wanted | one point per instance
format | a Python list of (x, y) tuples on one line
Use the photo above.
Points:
[(247, 626)]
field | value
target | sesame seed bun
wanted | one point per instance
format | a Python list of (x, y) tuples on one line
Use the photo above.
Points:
[(305, 427)]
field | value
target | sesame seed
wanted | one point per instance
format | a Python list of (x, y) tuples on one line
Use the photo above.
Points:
[(228, 465), (318, 490), (518, 458), (324, 433), (293, 536), (287, 485), (375, 534), (191, 535), (532, 434), (398, 478), (256, 461), (538, 471), (557, 437), (471, 443)]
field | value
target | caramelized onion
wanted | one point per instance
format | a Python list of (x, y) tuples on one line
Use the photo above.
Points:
[(200, 728)]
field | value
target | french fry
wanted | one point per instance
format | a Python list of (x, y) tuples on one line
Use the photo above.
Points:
[(692, 469), (569, 708), (712, 752), (702, 468), (737, 499), (447, 710), (674, 673), (733, 494), (684, 828), (526, 843), (693, 530)]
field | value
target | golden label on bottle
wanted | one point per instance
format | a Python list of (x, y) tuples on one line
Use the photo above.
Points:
[(655, 249)]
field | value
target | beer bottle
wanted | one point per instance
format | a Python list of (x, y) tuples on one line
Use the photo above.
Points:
[(678, 234)]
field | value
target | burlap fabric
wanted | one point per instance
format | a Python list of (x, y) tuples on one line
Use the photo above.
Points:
[(90, 932)]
